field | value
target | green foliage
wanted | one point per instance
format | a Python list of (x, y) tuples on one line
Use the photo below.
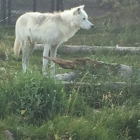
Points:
[(76, 106), (36, 98), (105, 124), (33, 97)]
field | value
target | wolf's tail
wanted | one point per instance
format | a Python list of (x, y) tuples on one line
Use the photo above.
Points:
[(17, 46)]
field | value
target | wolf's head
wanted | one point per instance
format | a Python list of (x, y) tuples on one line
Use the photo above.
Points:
[(80, 18)]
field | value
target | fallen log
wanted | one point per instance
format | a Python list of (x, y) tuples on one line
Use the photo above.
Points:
[(131, 49), (93, 66), (67, 49), (89, 49)]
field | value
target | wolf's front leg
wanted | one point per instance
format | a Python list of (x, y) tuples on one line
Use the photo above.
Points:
[(53, 51)]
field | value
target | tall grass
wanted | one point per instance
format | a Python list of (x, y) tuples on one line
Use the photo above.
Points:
[(32, 96)]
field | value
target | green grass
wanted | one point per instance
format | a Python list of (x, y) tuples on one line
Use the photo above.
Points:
[(107, 36), (105, 124), (34, 107)]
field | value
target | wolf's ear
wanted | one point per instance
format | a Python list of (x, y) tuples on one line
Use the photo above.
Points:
[(82, 6), (78, 9)]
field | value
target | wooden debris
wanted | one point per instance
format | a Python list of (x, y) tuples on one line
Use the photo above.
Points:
[(93, 65), (79, 63), (66, 64)]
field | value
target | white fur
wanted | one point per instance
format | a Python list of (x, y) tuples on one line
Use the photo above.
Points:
[(50, 29)]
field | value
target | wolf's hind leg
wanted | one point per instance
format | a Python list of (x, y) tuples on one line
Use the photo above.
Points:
[(27, 49), (45, 61)]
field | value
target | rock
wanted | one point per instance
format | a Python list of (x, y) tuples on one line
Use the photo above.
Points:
[(8, 135)]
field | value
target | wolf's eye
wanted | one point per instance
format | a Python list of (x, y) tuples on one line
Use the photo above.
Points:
[(84, 18)]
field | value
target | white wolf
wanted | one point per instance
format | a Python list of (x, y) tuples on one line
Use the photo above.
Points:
[(50, 29)]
